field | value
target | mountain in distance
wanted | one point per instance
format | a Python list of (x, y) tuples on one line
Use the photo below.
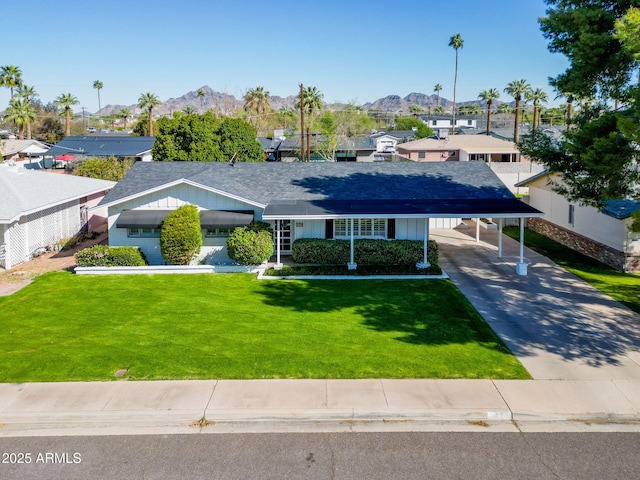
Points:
[(225, 104)]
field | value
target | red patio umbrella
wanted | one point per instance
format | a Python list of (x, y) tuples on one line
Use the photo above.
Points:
[(65, 158)]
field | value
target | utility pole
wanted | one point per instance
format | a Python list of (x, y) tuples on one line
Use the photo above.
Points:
[(84, 120), (302, 151)]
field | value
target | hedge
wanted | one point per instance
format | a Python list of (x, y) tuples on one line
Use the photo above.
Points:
[(366, 251), (181, 235), (106, 256), (252, 244)]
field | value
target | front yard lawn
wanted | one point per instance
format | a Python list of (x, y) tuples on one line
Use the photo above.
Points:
[(623, 287), (71, 327)]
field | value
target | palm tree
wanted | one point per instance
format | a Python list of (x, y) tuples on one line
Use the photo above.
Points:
[(148, 101), (312, 100), (457, 43), (536, 96), (437, 89), (189, 110), (504, 108), (440, 110), (98, 86), (200, 94), (256, 103), (10, 77), (22, 113), (27, 92), (489, 96), (517, 89), (66, 100), (125, 115)]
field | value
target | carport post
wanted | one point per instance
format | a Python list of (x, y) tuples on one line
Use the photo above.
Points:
[(500, 222), (478, 229), (521, 267)]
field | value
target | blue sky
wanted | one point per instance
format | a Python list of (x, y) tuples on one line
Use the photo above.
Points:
[(350, 50)]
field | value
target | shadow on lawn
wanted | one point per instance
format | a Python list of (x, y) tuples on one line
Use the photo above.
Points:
[(427, 313)]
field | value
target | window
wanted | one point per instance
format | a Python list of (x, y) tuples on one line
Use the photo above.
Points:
[(452, 153), (217, 232), (363, 227), (143, 232), (421, 154), (572, 214)]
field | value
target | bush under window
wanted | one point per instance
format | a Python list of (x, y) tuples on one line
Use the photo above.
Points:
[(181, 236), (106, 256), (252, 244)]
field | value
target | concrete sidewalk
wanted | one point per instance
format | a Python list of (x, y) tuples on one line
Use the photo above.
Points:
[(581, 347)]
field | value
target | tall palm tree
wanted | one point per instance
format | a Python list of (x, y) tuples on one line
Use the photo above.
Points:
[(201, 94), (312, 100), (27, 92), (125, 115), (456, 42), (66, 100), (98, 86), (189, 110), (22, 113), (147, 101), (257, 103), (10, 77), (489, 96), (437, 88), (517, 89), (536, 96)]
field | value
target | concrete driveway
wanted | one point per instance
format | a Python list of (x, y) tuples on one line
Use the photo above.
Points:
[(559, 326)]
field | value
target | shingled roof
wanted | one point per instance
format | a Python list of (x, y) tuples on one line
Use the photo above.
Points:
[(103, 146), (338, 189)]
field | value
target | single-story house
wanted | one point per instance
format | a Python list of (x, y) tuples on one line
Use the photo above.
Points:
[(119, 146), (385, 200), (18, 150), (601, 234), (353, 149), (460, 148), (39, 209)]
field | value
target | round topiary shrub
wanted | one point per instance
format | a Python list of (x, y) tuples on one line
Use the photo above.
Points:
[(181, 235), (252, 244)]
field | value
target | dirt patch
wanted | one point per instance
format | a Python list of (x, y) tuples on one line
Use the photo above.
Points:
[(21, 275)]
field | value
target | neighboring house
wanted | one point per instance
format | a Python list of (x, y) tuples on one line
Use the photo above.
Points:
[(355, 149), (119, 146), (387, 142), (444, 122), (306, 200), (39, 209), (601, 234), (19, 150), (460, 148)]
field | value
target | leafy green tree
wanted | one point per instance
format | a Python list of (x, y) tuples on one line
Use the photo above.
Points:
[(553, 116), (66, 101), (22, 113), (10, 77), (517, 89), (181, 235), (456, 42), (409, 123), (437, 88), (489, 96), (205, 138), (470, 109), (98, 86), (148, 101), (103, 168)]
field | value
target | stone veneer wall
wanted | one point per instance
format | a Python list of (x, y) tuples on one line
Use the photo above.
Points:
[(607, 255)]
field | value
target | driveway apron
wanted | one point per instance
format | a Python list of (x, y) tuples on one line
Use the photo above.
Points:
[(559, 326)]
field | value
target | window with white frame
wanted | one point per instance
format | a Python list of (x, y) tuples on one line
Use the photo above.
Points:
[(362, 227), (143, 232), (217, 232)]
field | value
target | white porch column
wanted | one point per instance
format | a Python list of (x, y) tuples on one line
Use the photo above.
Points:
[(477, 229), (521, 267), (500, 224), (278, 265), (352, 265), (425, 263)]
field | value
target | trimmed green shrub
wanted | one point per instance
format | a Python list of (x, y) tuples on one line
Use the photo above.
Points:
[(106, 256), (181, 235), (366, 251), (252, 244)]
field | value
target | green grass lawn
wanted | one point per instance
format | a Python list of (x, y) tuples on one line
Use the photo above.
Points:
[(623, 287), (72, 327)]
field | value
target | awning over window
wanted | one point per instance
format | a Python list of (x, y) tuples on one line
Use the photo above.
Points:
[(225, 219), (141, 218), (208, 218)]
